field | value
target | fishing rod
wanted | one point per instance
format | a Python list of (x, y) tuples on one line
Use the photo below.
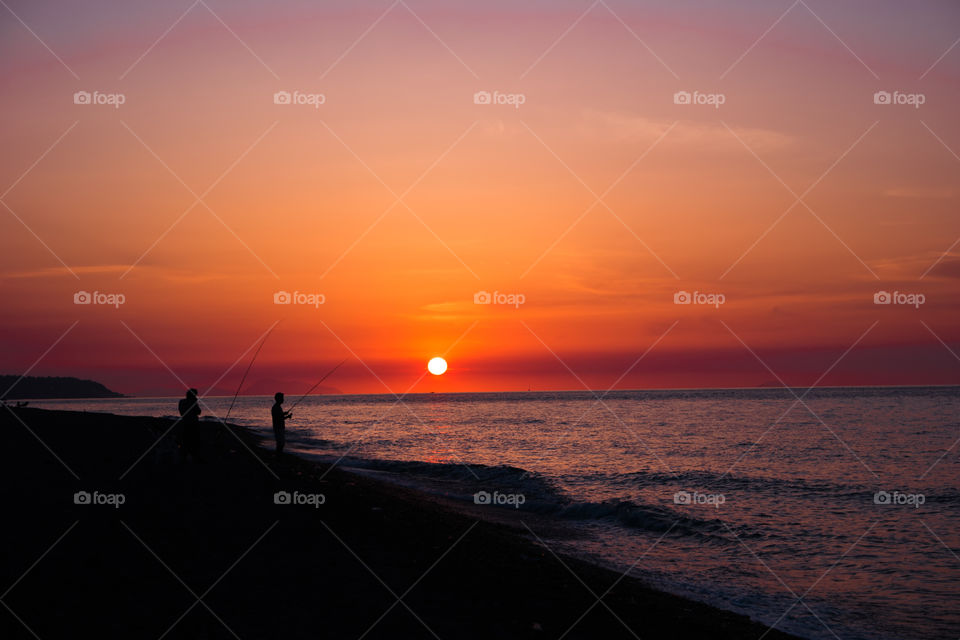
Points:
[(252, 360), (328, 374)]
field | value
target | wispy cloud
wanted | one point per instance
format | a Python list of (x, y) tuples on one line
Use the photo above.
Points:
[(114, 270), (703, 135), (923, 193)]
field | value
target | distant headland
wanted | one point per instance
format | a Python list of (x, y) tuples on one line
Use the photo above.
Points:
[(15, 387)]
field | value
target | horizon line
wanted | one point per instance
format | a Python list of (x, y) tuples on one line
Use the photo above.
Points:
[(591, 391)]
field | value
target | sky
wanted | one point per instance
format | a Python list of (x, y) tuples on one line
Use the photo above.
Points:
[(394, 165)]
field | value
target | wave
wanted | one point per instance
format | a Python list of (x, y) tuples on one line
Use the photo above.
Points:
[(543, 497), (468, 478), (651, 518), (711, 479), (780, 487)]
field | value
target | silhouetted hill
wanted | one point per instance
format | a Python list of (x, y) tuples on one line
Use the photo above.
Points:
[(34, 387)]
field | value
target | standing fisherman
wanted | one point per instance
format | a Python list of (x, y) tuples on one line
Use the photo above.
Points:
[(280, 416), (279, 421), (189, 408)]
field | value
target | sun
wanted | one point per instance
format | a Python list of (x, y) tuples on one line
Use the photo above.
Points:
[(437, 366)]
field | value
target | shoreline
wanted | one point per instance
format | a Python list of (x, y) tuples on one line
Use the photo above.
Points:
[(374, 558)]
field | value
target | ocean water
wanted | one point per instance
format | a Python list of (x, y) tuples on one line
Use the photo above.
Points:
[(834, 517)]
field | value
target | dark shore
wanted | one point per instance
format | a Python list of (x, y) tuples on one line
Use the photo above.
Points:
[(266, 570)]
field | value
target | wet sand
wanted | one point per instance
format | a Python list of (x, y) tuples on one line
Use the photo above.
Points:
[(201, 550)]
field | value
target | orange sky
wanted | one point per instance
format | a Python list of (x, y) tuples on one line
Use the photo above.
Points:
[(399, 198)]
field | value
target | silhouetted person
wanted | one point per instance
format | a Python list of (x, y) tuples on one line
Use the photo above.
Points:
[(279, 421), (189, 423)]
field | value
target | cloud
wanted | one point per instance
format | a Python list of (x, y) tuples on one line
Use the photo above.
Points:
[(175, 275), (910, 268), (927, 193), (59, 272), (699, 134), (949, 267)]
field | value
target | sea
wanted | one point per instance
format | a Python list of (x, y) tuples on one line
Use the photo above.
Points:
[(826, 512)]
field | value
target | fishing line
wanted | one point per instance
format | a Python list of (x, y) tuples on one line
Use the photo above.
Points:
[(329, 373), (252, 360)]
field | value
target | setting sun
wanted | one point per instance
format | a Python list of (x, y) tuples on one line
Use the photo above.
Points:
[(696, 262), (437, 366)]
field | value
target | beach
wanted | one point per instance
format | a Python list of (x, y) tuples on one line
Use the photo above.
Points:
[(107, 535)]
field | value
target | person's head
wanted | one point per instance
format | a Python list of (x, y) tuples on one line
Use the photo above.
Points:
[(278, 397), (191, 394)]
